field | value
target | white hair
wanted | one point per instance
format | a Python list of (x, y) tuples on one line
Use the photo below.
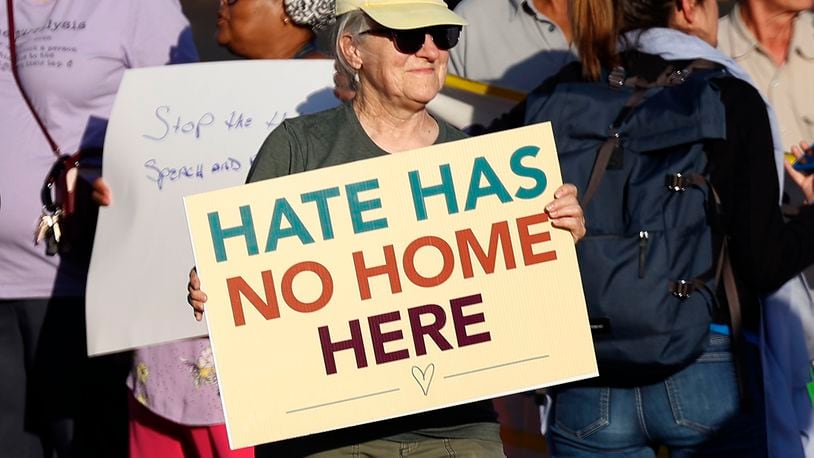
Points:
[(353, 23)]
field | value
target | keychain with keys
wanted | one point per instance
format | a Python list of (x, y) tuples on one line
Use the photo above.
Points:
[(48, 229)]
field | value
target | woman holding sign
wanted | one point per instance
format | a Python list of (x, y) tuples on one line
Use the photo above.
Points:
[(395, 55)]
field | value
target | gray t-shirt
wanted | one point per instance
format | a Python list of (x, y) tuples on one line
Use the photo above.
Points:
[(320, 140)]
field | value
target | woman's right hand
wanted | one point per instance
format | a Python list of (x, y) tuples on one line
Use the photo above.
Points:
[(196, 298), (804, 180)]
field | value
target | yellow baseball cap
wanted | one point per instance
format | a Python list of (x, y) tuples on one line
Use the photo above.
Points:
[(403, 14)]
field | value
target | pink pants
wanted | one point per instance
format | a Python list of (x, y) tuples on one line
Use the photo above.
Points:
[(154, 436)]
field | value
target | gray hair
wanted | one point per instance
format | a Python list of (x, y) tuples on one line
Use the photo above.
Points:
[(316, 14), (353, 23)]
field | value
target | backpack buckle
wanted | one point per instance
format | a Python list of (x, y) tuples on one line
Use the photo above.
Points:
[(678, 77), (676, 182), (682, 289), (616, 79)]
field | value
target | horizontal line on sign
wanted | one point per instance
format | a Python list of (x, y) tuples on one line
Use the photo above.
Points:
[(497, 366), (339, 401)]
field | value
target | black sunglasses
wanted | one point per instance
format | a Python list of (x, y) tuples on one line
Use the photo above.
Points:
[(445, 37)]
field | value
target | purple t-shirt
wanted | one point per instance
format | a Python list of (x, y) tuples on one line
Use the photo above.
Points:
[(71, 57)]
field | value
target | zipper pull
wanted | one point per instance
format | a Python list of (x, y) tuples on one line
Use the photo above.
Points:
[(644, 236)]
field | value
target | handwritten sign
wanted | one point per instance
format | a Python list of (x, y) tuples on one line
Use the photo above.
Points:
[(390, 286), (174, 131)]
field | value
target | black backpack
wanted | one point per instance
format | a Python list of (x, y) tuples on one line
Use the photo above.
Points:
[(636, 150)]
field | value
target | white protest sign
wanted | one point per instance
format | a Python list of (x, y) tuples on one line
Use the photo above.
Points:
[(175, 131)]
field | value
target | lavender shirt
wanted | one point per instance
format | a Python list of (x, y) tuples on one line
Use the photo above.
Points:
[(71, 57)]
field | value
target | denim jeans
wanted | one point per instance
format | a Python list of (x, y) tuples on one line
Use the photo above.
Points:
[(696, 412)]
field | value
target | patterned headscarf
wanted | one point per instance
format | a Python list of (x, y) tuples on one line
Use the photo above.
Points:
[(314, 13)]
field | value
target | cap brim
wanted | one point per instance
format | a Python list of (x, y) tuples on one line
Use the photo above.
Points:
[(413, 16)]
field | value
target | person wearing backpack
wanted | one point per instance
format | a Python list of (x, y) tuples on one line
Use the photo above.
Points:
[(673, 151)]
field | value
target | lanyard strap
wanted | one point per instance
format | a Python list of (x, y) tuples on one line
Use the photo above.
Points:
[(12, 35)]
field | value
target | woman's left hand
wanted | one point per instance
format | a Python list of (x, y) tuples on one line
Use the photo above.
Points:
[(565, 211)]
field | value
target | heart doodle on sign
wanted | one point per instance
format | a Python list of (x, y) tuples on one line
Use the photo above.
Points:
[(424, 377)]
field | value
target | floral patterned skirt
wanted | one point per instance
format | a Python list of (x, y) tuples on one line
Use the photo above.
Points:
[(177, 381)]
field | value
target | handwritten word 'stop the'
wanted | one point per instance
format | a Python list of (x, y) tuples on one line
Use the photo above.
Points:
[(170, 124)]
